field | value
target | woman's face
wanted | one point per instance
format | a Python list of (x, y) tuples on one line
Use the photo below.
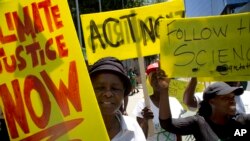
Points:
[(109, 91), (224, 104)]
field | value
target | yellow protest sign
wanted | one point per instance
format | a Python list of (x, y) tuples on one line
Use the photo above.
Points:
[(178, 87), (207, 46), (119, 33), (45, 89)]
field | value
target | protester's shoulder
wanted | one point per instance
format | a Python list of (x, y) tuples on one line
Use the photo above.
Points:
[(193, 120), (196, 118), (199, 120), (199, 117)]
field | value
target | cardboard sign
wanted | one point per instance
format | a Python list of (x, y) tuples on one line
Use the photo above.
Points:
[(207, 46), (178, 87), (122, 33), (45, 89)]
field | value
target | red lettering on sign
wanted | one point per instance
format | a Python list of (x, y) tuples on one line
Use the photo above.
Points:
[(63, 52), (10, 67), (56, 15), (30, 22), (32, 83), (26, 28), (14, 110), (56, 131), (63, 93), (32, 50), (22, 62), (51, 54), (38, 24), (14, 106), (45, 5)]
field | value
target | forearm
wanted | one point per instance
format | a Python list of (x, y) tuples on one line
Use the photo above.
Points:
[(144, 125), (164, 107), (189, 98)]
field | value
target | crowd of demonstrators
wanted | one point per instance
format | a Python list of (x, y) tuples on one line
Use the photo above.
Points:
[(192, 100), (111, 85), (3, 129), (216, 118), (220, 110), (143, 113)]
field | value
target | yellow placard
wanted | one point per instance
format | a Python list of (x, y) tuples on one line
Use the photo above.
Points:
[(178, 87), (121, 33), (45, 89), (206, 47)]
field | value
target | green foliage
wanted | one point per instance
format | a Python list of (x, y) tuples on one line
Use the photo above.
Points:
[(134, 3)]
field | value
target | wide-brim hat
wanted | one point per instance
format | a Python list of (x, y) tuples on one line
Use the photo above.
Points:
[(111, 64)]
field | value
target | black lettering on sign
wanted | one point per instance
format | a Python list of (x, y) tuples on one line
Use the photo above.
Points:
[(95, 34), (184, 54), (156, 27), (150, 31), (105, 33), (205, 33), (197, 57), (128, 17)]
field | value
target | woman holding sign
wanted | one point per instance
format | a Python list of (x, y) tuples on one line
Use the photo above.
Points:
[(111, 85), (143, 113), (216, 119), (192, 100)]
